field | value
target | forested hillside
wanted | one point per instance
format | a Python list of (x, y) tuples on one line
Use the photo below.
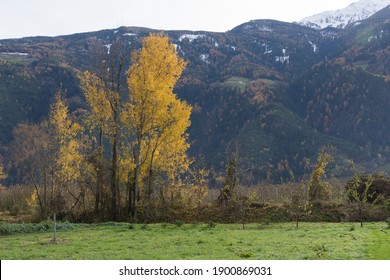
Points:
[(279, 91)]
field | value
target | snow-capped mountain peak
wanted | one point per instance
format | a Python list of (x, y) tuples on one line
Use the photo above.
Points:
[(357, 11)]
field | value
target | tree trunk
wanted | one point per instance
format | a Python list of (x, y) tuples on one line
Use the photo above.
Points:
[(99, 179), (44, 204), (119, 197), (113, 180), (129, 190), (150, 184), (136, 183), (55, 228), (150, 179)]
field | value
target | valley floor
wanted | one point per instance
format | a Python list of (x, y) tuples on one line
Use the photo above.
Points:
[(311, 241)]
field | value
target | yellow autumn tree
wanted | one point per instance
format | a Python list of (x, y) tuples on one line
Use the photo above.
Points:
[(155, 117), (319, 190), (66, 153), (49, 156), (166, 147), (65, 131), (100, 100)]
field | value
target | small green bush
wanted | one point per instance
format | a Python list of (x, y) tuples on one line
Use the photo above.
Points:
[(131, 226), (371, 187), (211, 224)]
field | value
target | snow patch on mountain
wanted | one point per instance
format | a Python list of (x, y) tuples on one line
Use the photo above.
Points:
[(14, 53), (284, 58), (130, 34), (267, 49), (108, 46), (340, 18), (379, 36), (314, 46), (205, 58), (191, 37), (254, 25)]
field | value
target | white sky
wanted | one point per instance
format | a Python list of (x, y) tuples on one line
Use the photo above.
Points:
[(19, 18)]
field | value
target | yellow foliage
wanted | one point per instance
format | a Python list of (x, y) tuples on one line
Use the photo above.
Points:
[(192, 196), (317, 189), (67, 147), (126, 165), (100, 100), (154, 114), (70, 160), (32, 201), (151, 78)]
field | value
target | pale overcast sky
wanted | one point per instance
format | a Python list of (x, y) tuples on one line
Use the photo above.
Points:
[(19, 18)]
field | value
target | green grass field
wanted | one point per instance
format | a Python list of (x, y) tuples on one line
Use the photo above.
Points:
[(311, 241), (16, 58), (239, 82)]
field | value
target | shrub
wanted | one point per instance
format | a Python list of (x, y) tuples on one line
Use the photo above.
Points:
[(317, 189), (361, 193), (211, 224), (376, 185), (15, 199), (131, 226)]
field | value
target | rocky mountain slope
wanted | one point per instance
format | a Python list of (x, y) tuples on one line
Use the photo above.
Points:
[(353, 13)]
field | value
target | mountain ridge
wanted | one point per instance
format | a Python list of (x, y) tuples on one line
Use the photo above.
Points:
[(280, 89), (355, 12)]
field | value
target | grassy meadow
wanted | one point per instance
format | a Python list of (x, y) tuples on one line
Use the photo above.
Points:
[(239, 82), (280, 241)]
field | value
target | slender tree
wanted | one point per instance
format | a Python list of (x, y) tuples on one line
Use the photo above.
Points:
[(229, 192), (31, 157), (66, 155), (49, 156), (103, 92), (100, 117)]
